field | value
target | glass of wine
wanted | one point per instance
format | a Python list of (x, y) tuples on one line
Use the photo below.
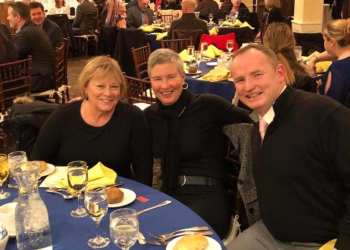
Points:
[(211, 17), (97, 206), (15, 159), (4, 173), (229, 46), (77, 175), (124, 227)]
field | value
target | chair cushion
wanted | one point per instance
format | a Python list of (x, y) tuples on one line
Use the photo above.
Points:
[(219, 41)]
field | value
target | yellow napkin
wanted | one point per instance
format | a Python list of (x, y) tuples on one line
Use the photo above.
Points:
[(147, 28), (329, 245), (246, 24), (98, 176), (185, 57), (219, 73), (213, 31), (160, 36), (212, 52), (227, 23), (322, 67)]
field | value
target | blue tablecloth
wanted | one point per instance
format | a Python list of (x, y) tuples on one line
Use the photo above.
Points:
[(222, 88), (70, 233)]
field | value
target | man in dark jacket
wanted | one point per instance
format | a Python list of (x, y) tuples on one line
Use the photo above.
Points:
[(139, 14), (31, 40), (7, 50), (206, 7), (86, 17), (37, 15)]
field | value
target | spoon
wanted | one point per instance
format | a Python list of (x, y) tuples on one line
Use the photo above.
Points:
[(64, 196)]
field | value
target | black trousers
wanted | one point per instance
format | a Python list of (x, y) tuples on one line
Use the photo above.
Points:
[(209, 202)]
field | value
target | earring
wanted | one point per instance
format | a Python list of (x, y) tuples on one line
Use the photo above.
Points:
[(185, 85)]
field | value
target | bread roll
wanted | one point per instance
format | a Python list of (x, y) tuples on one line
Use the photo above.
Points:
[(114, 195), (192, 242), (42, 166)]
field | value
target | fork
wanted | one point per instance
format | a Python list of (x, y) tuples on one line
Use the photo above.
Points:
[(175, 233), (57, 191), (164, 241)]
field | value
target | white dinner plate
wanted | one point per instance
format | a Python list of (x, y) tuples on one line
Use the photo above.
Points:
[(129, 197), (196, 73), (49, 170), (212, 63), (213, 244), (7, 217)]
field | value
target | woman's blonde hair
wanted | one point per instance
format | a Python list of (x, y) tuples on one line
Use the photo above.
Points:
[(272, 3), (280, 38), (102, 66), (163, 56), (339, 30)]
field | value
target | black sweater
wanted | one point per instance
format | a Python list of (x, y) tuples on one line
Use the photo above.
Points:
[(118, 144), (303, 170)]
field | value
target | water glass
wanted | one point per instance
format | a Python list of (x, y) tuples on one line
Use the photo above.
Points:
[(124, 227), (298, 50), (4, 173), (77, 175), (229, 45), (211, 17), (97, 206), (204, 46), (196, 13), (14, 160), (190, 50)]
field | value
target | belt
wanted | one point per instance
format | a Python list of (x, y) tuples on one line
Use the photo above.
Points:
[(197, 180)]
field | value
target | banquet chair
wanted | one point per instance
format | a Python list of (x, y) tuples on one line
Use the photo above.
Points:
[(177, 45), (60, 72), (140, 56), (194, 34), (167, 18), (15, 80), (139, 91)]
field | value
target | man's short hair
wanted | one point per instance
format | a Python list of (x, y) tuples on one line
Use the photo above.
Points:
[(34, 5), (271, 56), (20, 9), (189, 4)]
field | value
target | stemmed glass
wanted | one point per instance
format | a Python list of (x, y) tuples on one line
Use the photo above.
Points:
[(77, 175), (211, 17), (14, 160), (4, 173), (96, 204), (229, 46), (124, 227)]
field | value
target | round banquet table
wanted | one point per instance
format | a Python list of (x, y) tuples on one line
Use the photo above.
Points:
[(70, 233)]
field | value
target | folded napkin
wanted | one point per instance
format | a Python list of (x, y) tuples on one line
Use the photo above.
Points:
[(160, 36), (212, 52), (236, 23), (246, 24), (147, 28), (329, 245), (185, 57), (322, 67), (214, 31), (219, 73), (98, 176)]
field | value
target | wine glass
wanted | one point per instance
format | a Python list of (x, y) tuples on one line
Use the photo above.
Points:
[(197, 56), (14, 160), (4, 173), (124, 227), (211, 17), (204, 47), (96, 204), (229, 46), (77, 176), (298, 50)]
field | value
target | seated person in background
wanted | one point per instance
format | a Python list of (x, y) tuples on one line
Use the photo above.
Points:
[(37, 15), (100, 127), (188, 20), (115, 14), (188, 138), (85, 20), (60, 7), (336, 81), (7, 49), (32, 40), (206, 7), (170, 4), (139, 14), (272, 14), (280, 38), (235, 8), (301, 160)]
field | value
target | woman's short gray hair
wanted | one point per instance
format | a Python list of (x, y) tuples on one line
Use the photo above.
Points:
[(163, 56)]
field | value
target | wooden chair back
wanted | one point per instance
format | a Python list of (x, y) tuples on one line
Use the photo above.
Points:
[(177, 45), (140, 56), (167, 18), (139, 90), (60, 71), (194, 34), (15, 80)]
